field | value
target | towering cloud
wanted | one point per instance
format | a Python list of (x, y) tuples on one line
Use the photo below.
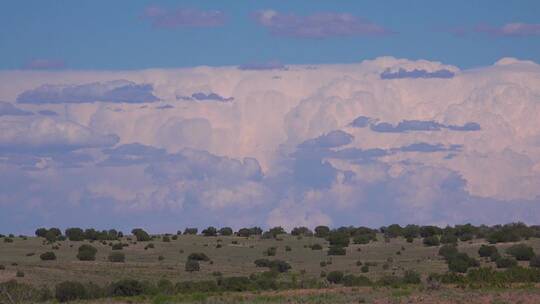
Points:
[(330, 144)]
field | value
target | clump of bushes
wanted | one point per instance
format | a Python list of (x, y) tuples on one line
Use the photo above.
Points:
[(117, 257), (335, 277), (126, 288), (149, 246), (461, 262), (117, 246), (535, 261), (316, 247), (337, 250), (505, 262), (166, 239), (521, 252), (48, 256), (87, 253), (487, 250), (431, 241)]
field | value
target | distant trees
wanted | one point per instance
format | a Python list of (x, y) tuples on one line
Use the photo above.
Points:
[(225, 231), (210, 231), (75, 234), (301, 231), (322, 231), (247, 232), (191, 231)]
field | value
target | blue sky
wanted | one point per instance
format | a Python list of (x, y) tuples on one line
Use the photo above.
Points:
[(430, 117), (113, 34)]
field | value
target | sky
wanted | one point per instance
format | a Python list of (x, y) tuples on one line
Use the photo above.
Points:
[(169, 114)]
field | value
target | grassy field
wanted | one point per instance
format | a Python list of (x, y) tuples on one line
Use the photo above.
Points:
[(234, 258)]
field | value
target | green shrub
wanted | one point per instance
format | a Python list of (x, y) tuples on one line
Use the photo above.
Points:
[(8, 240), (117, 257), (166, 239), (2, 267), (338, 239), (236, 284), (461, 263), (466, 237), (365, 268), (362, 239), (335, 277), (448, 239), (352, 280), (117, 246), (192, 265), (521, 252), (431, 241), (198, 256), (161, 258), (336, 250), (487, 250), (316, 247), (506, 263), (75, 234), (87, 253), (389, 280), (359, 263), (288, 248), (322, 231), (410, 239), (149, 246), (19, 274), (447, 251), (191, 231), (69, 291), (48, 256), (126, 288), (494, 256)]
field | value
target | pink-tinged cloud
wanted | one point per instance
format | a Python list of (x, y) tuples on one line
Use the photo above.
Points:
[(44, 64), (183, 17), (517, 29), (319, 25)]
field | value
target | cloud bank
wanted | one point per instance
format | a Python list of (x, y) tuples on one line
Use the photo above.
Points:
[(330, 144)]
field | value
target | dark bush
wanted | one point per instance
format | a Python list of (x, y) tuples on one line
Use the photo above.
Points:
[(506, 263), (166, 239), (466, 237), (117, 246), (410, 239), (117, 257), (8, 240), (461, 262), (262, 263), (487, 251), (288, 248), (165, 287), (236, 284), (149, 246), (352, 280), (316, 247), (337, 238), (521, 252), (431, 241), (389, 280), (40, 232), (335, 277), (19, 274), (70, 291), (365, 268), (336, 250), (48, 256), (447, 251), (126, 288), (198, 256), (87, 253)]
